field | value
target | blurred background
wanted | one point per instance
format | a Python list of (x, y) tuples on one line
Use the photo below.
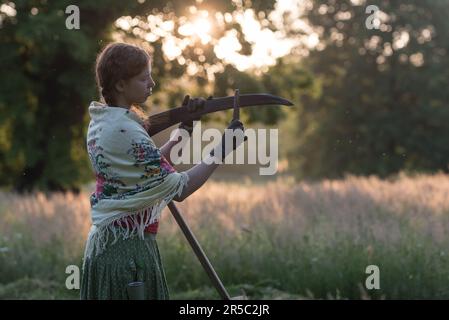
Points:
[(362, 176)]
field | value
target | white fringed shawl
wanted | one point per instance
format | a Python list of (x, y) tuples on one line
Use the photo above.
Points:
[(134, 182)]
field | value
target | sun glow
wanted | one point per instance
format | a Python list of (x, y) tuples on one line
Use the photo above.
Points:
[(200, 27)]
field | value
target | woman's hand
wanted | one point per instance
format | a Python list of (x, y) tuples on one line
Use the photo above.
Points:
[(192, 105), (199, 174), (234, 125), (195, 104)]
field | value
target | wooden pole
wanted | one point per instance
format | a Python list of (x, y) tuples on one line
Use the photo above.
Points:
[(199, 252)]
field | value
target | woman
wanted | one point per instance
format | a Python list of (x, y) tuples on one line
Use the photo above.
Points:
[(134, 179)]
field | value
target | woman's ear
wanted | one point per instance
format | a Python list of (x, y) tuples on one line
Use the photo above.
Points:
[(120, 85)]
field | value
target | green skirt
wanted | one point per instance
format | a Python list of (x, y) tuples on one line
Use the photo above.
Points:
[(107, 275)]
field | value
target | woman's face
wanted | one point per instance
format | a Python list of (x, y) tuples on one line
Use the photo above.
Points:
[(138, 88)]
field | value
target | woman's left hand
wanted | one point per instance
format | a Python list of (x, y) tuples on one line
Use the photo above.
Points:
[(192, 105), (195, 104)]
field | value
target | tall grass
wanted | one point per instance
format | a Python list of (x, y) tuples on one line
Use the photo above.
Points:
[(278, 240)]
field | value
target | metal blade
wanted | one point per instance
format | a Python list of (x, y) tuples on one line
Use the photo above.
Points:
[(166, 119)]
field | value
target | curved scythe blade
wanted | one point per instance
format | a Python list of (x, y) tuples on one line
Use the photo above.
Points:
[(166, 119)]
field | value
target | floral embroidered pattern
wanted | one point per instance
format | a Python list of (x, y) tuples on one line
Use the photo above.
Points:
[(152, 167), (121, 151), (154, 163), (165, 165), (106, 182)]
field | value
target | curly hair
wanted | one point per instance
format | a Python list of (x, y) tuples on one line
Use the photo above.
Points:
[(119, 61)]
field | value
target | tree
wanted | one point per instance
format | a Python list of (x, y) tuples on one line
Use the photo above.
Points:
[(384, 102), (47, 82)]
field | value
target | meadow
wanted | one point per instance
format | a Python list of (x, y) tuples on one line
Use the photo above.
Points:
[(277, 240)]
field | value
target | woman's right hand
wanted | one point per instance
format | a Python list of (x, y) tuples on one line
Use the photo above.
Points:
[(202, 171), (234, 125)]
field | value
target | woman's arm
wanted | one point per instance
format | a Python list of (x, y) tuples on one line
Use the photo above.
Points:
[(199, 174)]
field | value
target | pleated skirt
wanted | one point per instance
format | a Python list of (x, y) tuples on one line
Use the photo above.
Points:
[(107, 275)]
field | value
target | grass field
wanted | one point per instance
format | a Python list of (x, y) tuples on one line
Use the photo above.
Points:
[(280, 240)]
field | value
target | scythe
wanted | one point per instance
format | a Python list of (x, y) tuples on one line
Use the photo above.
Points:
[(166, 119)]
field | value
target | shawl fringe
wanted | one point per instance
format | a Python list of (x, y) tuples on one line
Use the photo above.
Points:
[(132, 223)]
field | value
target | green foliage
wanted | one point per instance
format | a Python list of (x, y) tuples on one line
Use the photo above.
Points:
[(46, 84), (48, 81), (381, 110), (364, 105), (317, 264), (36, 289)]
